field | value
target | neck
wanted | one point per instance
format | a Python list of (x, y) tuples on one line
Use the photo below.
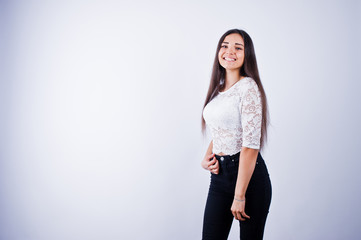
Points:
[(231, 77)]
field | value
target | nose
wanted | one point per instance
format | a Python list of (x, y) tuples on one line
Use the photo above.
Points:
[(230, 50)]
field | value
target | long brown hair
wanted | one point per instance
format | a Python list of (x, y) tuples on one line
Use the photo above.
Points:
[(248, 69)]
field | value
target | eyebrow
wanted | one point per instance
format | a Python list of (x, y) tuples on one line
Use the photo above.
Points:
[(235, 43)]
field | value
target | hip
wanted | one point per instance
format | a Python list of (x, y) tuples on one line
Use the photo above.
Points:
[(225, 180)]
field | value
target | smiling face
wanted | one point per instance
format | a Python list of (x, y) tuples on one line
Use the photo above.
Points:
[(231, 53)]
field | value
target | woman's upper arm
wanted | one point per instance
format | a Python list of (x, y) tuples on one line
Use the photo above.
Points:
[(251, 115)]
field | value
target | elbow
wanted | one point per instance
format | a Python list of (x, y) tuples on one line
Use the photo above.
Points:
[(250, 150), (249, 154)]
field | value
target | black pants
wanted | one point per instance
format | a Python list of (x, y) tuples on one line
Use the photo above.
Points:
[(218, 216)]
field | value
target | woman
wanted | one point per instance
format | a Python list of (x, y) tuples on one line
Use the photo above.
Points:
[(236, 113)]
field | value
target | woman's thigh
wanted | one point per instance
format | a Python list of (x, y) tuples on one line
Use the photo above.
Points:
[(217, 216), (258, 199)]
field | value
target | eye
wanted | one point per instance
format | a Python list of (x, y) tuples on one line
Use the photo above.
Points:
[(224, 46), (239, 48)]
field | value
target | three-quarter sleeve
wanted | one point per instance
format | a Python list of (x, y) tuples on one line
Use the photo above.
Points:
[(251, 115)]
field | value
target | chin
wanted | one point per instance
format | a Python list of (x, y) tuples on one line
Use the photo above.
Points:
[(230, 67)]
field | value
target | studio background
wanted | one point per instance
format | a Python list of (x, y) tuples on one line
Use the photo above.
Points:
[(101, 105)]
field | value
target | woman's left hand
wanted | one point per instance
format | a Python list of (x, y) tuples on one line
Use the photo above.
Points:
[(237, 210)]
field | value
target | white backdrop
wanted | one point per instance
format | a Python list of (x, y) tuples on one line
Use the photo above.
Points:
[(100, 116)]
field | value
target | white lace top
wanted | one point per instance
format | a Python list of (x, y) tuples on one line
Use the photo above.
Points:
[(234, 117)]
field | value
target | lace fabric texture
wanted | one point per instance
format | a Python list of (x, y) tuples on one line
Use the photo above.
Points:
[(234, 117)]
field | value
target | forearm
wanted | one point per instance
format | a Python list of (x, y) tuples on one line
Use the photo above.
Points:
[(247, 163), (209, 162), (210, 148)]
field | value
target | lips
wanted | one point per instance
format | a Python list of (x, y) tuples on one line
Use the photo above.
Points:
[(229, 59)]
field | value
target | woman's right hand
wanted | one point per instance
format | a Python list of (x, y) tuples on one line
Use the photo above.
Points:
[(210, 163)]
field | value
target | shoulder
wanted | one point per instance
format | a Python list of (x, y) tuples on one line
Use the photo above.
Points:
[(248, 81), (246, 84)]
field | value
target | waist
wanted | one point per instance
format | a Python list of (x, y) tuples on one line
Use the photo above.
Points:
[(227, 158), (222, 159)]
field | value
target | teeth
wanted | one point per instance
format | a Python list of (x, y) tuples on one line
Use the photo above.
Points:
[(229, 59)]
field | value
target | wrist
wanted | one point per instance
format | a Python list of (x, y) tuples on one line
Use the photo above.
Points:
[(239, 199), (240, 196)]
